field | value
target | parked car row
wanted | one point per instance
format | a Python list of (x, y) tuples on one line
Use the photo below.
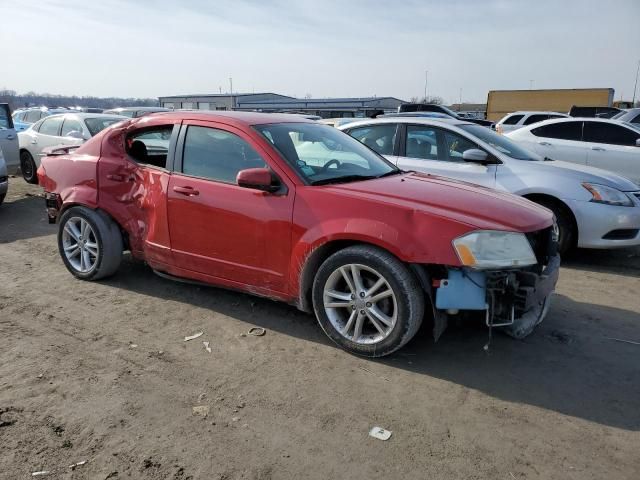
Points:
[(593, 208)]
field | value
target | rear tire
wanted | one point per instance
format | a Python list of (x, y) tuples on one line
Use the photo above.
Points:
[(90, 243), (28, 167), (567, 238), (367, 301), (2, 198)]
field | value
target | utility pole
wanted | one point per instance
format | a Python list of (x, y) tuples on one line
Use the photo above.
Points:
[(530, 84), (460, 107), (230, 86), (426, 81), (635, 86)]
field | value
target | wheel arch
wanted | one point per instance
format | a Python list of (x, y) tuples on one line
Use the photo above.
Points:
[(543, 197), (70, 204), (318, 255)]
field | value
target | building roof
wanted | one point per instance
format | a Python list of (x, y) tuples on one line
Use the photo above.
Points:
[(214, 95)]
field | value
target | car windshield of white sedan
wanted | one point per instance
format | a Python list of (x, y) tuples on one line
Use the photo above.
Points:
[(500, 143), (323, 155), (96, 125)]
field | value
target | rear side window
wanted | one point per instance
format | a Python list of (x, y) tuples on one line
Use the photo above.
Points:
[(512, 120), (217, 155), (379, 138), (51, 126), (150, 146), (600, 132), (636, 119), (561, 131), (535, 118)]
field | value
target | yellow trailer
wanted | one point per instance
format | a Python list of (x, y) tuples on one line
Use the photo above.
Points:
[(502, 102)]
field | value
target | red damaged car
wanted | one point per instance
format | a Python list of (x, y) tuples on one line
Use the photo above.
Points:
[(286, 208)]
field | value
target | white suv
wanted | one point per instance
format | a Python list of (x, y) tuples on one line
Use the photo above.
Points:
[(516, 120)]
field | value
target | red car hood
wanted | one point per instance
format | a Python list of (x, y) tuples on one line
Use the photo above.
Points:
[(477, 206)]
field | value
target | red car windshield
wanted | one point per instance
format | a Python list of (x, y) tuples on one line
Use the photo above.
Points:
[(321, 154)]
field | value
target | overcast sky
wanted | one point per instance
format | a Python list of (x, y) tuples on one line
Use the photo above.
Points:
[(328, 48)]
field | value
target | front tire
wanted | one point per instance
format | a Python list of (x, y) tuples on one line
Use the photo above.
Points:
[(567, 233), (367, 301), (28, 167), (90, 243)]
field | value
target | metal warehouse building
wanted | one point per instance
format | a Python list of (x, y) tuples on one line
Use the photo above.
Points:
[(273, 102)]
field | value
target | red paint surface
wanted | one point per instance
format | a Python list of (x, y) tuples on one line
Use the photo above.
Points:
[(259, 242)]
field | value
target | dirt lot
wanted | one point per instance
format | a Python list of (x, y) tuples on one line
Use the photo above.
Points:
[(564, 403)]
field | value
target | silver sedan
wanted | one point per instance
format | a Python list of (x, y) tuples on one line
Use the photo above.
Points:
[(593, 208)]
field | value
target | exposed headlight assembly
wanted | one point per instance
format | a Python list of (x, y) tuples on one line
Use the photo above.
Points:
[(608, 195), (489, 249)]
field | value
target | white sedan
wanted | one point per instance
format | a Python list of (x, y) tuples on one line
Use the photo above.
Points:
[(597, 142), (64, 129)]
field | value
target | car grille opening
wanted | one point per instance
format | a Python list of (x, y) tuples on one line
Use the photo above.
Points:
[(543, 245), (622, 234)]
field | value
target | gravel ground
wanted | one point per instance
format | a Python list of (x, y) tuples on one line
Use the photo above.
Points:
[(99, 372)]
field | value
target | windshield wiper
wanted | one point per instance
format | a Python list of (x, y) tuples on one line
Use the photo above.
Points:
[(346, 178), (392, 172)]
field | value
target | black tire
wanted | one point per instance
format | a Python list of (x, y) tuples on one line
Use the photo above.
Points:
[(2, 198), (568, 233), (28, 167), (410, 302), (107, 236)]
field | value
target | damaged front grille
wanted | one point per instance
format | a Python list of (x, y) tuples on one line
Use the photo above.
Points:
[(543, 244)]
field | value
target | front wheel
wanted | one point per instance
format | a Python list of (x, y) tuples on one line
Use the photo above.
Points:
[(567, 234), (90, 243), (28, 167), (367, 301)]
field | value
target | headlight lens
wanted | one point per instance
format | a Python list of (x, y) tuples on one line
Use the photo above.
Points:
[(488, 249), (608, 195)]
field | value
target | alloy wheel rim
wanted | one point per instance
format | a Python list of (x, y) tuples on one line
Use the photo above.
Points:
[(80, 245), (360, 304), (27, 167)]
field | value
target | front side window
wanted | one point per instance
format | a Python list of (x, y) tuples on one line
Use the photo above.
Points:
[(380, 138), (321, 154), (561, 131), (5, 118), (422, 142), (33, 116), (535, 118), (499, 142), (512, 120), (217, 154), (70, 125), (600, 132), (51, 126), (456, 145)]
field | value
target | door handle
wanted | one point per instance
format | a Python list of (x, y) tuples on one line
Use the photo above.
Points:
[(189, 191), (598, 149), (34, 141), (546, 144), (10, 137)]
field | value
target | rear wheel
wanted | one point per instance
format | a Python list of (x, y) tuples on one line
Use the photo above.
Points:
[(367, 301), (90, 243), (28, 167)]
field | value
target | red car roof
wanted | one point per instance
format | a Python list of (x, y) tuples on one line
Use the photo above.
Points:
[(228, 116)]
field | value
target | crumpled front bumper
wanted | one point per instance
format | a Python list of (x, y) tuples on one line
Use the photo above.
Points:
[(514, 300), (535, 298)]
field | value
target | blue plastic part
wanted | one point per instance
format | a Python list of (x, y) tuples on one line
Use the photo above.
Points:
[(463, 290)]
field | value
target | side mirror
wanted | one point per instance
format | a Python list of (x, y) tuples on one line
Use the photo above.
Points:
[(75, 134), (256, 178), (475, 155)]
